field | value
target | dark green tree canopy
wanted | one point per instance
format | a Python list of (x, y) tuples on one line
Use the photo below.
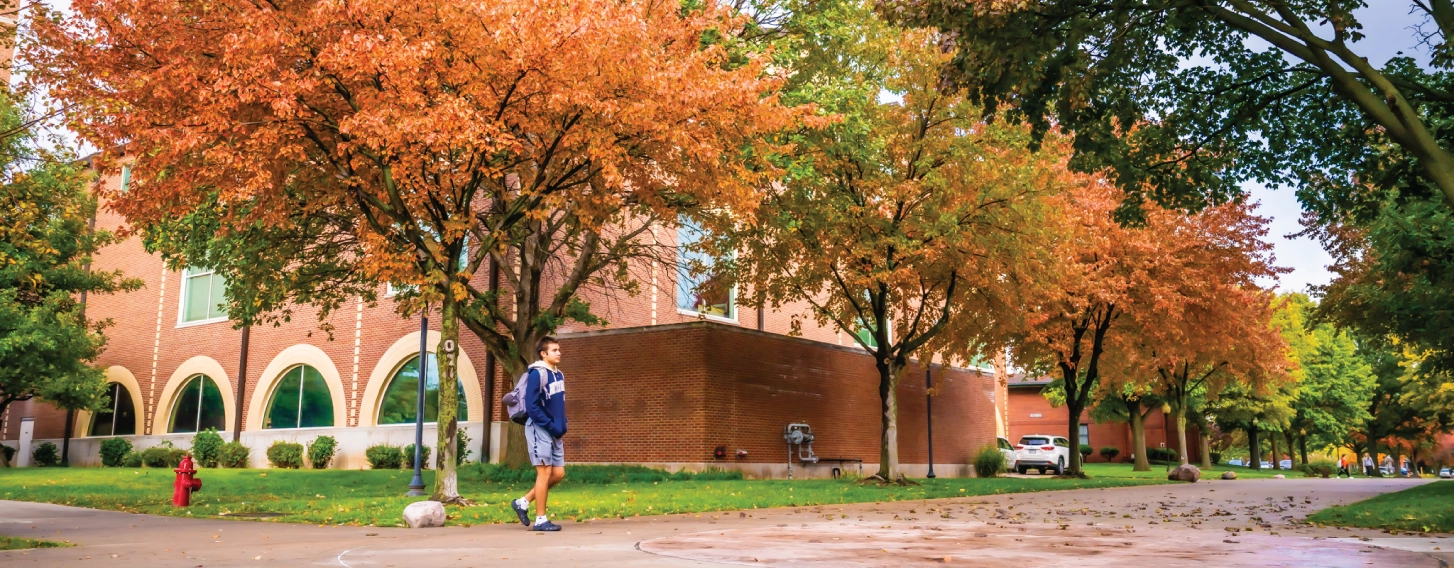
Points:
[(1183, 100)]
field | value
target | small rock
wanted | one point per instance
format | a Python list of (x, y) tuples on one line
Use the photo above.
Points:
[(1186, 472), (1279, 476), (1229, 475), (424, 514)]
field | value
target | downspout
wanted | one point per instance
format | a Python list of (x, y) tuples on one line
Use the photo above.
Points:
[(241, 384), (71, 412), (490, 402)]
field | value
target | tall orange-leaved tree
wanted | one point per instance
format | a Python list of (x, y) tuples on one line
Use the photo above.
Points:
[(1212, 325), (324, 148)]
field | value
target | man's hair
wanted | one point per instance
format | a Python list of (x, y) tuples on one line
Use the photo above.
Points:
[(544, 343)]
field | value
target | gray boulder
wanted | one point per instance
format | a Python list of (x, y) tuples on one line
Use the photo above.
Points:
[(1229, 475), (1279, 476), (424, 514), (1186, 472)]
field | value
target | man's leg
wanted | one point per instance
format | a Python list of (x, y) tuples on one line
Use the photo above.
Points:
[(541, 492), (556, 474)]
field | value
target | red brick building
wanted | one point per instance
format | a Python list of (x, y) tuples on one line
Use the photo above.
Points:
[(673, 378), (1031, 413)]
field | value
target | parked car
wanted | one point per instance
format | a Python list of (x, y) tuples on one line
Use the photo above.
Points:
[(1266, 464), (1285, 464), (1042, 453), (1008, 451), (1385, 470), (1235, 462), (1446, 473)]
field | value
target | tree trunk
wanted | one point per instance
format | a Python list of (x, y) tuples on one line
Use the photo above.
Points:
[(1275, 457), (1303, 448), (1373, 454), (514, 453), (1138, 440), (446, 479), (1254, 445), (1076, 408), (1398, 457), (888, 457), (1206, 444), (1181, 435), (1287, 436), (4, 405)]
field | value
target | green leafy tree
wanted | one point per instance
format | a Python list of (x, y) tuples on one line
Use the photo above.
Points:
[(1185, 99), (1336, 382), (47, 239), (1130, 403)]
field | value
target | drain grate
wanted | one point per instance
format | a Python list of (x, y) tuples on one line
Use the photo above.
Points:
[(253, 515)]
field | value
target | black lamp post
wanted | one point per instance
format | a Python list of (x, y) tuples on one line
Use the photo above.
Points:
[(929, 414), (416, 485), (1166, 435)]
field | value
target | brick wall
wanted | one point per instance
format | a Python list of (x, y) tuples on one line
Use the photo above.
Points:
[(675, 393)]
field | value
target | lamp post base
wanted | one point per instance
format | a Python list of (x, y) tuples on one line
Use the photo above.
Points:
[(416, 487)]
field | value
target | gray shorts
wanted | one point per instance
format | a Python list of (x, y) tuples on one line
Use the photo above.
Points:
[(544, 448)]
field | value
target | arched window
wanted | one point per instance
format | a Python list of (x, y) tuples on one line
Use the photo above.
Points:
[(401, 397), (300, 400), (119, 417), (198, 406)]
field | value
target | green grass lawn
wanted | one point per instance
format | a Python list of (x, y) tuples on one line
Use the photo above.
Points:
[(1426, 508), (1158, 471), (369, 497), (17, 543)]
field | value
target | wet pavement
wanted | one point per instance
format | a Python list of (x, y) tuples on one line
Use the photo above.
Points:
[(1221, 523)]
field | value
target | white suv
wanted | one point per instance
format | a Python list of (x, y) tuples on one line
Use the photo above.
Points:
[(1042, 452)]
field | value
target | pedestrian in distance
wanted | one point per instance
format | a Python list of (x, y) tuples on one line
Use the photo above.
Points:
[(1367, 465), (544, 396), (1343, 467)]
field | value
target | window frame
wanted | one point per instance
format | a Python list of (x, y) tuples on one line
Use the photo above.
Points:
[(116, 389), (187, 275), (683, 274), (201, 400), (1084, 432), (302, 387)]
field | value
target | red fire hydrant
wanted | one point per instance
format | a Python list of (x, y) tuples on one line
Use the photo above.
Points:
[(186, 483)]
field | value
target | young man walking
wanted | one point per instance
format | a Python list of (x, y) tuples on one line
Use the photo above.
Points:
[(1343, 467), (545, 405)]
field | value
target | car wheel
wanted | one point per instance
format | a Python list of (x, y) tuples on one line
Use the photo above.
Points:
[(1020, 470), (1041, 470), (1060, 467)]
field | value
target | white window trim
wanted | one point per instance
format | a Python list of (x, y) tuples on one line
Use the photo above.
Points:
[(182, 301), (390, 291), (710, 317)]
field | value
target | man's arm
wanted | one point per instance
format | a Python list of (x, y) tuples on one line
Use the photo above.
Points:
[(534, 406)]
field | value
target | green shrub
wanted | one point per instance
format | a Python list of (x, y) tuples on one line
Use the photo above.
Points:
[(594, 474), (1320, 468), (1110, 452), (8, 451), (46, 455), (1161, 454), (207, 448), (461, 447), (408, 454), (113, 450), (1216, 457), (1085, 452), (162, 455), (234, 455), (131, 459), (285, 455), (321, 451), (989, 462), (384, 456)]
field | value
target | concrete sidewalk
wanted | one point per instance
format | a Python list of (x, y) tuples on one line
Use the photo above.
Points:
[(1228, 523)]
